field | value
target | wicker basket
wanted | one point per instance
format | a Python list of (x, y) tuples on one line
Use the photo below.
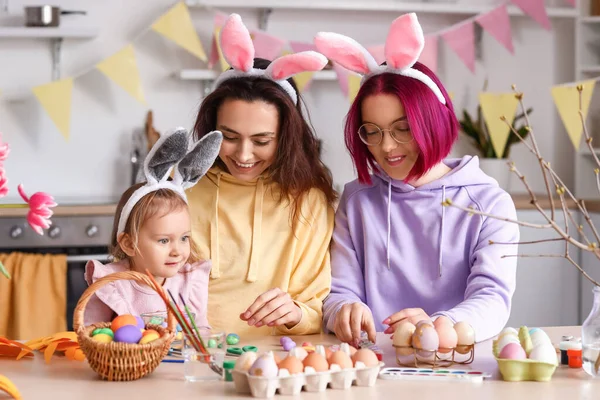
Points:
[(116, 361)]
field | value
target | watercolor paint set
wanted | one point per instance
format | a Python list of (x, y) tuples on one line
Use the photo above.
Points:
[(433, 374)]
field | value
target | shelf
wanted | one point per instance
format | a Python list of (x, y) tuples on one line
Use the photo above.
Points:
[(585, 150), (446, 7), (590, 69), (209, 75), (19, 32), (591, 20)]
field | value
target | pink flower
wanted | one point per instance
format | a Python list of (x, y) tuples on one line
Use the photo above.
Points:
[(39, 209), (3, 182)]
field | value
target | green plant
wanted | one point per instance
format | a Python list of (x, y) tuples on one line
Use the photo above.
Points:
[(478, 132)]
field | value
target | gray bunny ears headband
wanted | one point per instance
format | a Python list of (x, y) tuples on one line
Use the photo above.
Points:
[(173, 150)]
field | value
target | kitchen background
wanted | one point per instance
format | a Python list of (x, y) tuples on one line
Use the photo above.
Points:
[(93, 166)]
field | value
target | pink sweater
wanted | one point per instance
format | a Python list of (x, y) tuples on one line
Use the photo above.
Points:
[(129, 297)]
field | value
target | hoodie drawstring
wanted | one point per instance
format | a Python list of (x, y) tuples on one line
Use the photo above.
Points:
[(389, 222), (256, 232), (441, 255), (215, 272)]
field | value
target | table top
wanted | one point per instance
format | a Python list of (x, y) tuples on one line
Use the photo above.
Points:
[(76, 380)]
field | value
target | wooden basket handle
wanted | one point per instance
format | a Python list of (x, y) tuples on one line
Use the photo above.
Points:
[(78, 314)]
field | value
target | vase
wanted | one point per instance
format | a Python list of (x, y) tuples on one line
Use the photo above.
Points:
[(590, 338), (498, 169)]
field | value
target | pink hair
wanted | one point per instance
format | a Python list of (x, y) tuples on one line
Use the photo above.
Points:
[(432, 124)]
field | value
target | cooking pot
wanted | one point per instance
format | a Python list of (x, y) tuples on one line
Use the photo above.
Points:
[(46, 15)]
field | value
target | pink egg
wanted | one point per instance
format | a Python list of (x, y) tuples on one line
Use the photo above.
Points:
[(513, 351)]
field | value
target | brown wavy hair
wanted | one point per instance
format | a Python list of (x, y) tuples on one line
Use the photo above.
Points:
[(297, 167), (160, 202)]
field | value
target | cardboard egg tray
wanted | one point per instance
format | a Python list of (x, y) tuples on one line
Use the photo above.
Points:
[(523, 370), (260, 386)]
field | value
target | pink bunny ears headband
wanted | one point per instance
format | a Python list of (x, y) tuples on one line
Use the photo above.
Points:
[(172, 150), (238, 50), (403, 46)]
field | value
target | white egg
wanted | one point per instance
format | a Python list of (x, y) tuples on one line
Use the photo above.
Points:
[(544, 353), (540, 337), (506, 339), (509, 330)]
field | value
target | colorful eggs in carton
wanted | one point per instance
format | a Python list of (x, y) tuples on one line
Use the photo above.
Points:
[(525, 356), (434, 342), (314, 372)]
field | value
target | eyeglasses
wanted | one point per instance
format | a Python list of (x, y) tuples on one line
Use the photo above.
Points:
[(372, 135)]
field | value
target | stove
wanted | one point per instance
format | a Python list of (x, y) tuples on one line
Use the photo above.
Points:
[(81, 232)]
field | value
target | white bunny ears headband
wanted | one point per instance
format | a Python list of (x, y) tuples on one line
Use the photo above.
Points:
[(403, 46), (238, 50), (172, 150)]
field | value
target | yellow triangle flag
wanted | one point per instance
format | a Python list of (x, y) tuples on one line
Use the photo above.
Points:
[(55, 97), (217, 35), (494, 106), (353, 86), (302, 80), (566, 99), (177, 25), (451, 95), (122, 68)]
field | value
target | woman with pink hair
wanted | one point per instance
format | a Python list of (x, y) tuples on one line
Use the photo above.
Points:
[(397, 253)]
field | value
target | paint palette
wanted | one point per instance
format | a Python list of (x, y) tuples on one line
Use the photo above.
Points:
[(431, 374)]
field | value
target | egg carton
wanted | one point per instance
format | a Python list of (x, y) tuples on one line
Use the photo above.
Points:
[(264, 387), (523, 370)]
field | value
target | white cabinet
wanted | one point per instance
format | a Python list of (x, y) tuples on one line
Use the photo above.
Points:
[(591, 264), (547, 292)]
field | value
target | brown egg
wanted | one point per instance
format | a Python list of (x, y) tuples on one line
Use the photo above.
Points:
[(365, 356), (292, 364), (340, 358), (316, 361), (276, 358), (328, 352)]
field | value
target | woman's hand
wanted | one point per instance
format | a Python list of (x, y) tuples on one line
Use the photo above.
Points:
[(272, 308), (412, 315), (351, 320)]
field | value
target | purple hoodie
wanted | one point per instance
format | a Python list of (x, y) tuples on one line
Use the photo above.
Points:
[(395, 246)]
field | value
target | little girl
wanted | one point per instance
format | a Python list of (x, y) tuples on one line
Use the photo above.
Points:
[(152, 231)]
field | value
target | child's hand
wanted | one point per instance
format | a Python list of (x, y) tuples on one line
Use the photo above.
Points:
[(272, 308), (350, 320), (413, 315)]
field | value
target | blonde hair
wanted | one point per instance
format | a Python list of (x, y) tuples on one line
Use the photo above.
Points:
[(161, 201)]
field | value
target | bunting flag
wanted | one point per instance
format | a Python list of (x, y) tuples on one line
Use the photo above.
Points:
[(497, 24), (267, 46), (566, 99), (55, 98), (494, 106), (353, 86), (572, 2), (377, 52), (215, 52), (429, 54), (122, 68), (177, 26), (461, 39), (536, 9), (302, 79), (342, 76)]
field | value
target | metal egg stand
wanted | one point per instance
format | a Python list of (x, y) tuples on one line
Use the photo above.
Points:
[(439, 358)]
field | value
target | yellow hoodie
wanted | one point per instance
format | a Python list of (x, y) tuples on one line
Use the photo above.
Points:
[(247, 234)]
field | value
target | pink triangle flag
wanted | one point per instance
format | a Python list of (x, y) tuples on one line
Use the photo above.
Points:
[(497, 23), (301, 46), (342, 75), (429, 55), (267, 46), (377, 52), (461, 39), (572, 2), (219, 21), (536, 9)]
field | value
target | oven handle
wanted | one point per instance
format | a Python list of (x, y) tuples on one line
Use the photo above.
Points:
[(87, 257)]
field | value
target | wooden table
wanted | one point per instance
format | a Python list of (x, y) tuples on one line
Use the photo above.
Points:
[(66, 379)]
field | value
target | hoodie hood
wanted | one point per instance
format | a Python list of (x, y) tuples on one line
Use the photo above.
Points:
[(465, 172)]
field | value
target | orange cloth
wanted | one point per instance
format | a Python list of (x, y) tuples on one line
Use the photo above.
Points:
[(34, 302)]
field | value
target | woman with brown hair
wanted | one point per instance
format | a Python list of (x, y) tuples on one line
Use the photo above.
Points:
[(263, 213)]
